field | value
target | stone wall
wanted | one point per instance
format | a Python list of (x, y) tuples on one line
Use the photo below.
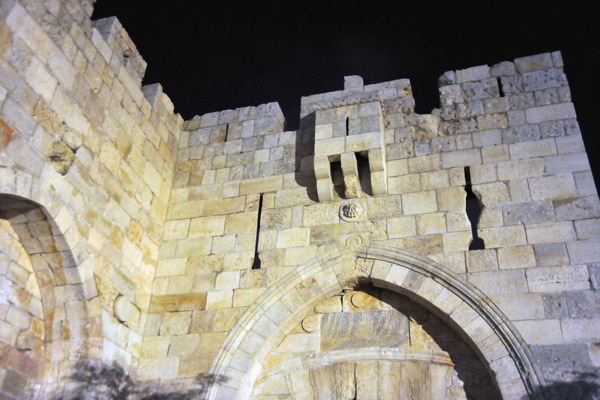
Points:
[(192, 257), (83, 141)]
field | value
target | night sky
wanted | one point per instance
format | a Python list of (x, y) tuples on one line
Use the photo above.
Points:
[(212, 56)]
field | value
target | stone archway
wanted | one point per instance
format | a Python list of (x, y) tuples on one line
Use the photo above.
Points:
[(288, 301), (54, 272)]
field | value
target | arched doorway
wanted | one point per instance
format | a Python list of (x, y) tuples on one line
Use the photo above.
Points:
[(44, 320), (373, 343), (290, 300)]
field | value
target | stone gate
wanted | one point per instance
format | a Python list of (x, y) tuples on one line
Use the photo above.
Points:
[(373, 253)]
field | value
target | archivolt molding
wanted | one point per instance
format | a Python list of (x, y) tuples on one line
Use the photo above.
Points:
[(283, 305)]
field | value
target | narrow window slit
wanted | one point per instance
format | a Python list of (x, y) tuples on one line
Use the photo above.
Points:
[(347, 126), (256, 263), (226, 132), (500, 87), (473, 212)]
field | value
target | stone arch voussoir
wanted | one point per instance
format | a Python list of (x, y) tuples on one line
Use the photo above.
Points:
[(290, 299)]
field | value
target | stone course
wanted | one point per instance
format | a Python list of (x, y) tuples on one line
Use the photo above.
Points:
[(231, 253)]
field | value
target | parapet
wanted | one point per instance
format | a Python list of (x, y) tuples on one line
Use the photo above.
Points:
[(241, 123), (122, 47)]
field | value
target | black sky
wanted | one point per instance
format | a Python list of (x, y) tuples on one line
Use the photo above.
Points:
[(217, 55)]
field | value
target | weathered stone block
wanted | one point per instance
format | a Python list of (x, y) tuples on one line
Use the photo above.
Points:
[(516, 257), (419, 203), (553, 279), (482, 260)]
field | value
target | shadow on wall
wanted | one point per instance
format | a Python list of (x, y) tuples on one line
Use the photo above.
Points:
[(305, 151), (584, 385), (95, 380)]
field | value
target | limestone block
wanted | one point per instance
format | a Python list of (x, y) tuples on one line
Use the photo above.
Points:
[(245, 297), (299, 255), (454, 261), (492, 121), (397, 167), (362, 142), (175, 323), (431, 223), (503, 236), (583, 251), (528, 213), (353, 82), (453, 198), (458, 221), (519, 191), (483, 173), (179, 285), (494, 154), (434, 180), (497, 283), (520, 169), (261, 185), (206, 226), (227, 280), (378, 183), (447, 301), (424, 163), (219, 299), (419, 203), (400, 227), (492, 194), (323, 131), (551, 254), (241, 223), (516, 257), (588, 228), (560, 164), (457, 241), (540, 80), (550, 113), (333, 146), (582, 304), (350, 171), (304, 341), (451, 94), (170, 267), (580, 330), (549, 233), (193, 247), (533, 63), (472, 74), (404, 184), (578, 208), (158, 368), (294, 237), (154, 346), (555, 187), (521, 306), (540, 332), (8, 333), (554, 279), (482, 260), (539, 148), (381, 207), (461, 158)]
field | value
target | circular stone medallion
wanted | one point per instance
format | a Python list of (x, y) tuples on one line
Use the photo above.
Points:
[(351, 210)]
